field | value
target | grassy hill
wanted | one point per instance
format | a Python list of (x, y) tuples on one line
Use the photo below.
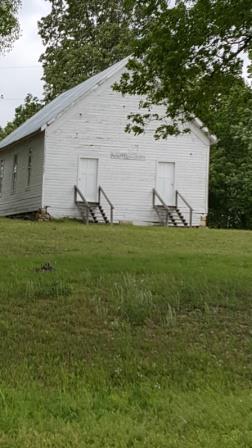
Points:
[(138, 337)]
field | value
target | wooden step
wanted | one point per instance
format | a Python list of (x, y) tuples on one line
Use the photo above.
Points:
[(175, 217), (96, 214)]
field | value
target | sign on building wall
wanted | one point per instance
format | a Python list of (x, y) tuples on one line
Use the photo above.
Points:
[(127, 156)]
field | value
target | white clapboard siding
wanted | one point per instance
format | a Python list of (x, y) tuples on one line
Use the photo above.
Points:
[(25, 198), (94, 127)]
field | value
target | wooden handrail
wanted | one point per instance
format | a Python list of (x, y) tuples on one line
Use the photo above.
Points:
[(106, 197), (183, 199), (178, 194), (102, 192), (156, 194), (78, 192)]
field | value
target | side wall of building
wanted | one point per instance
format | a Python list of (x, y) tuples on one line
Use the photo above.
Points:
[(127, 165), (24, 193)]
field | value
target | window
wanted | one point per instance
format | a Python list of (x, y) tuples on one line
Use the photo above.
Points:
[(1, 176), (14, 173), (29, 167)]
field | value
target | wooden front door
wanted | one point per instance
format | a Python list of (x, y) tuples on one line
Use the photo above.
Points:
[(165, 184), (87, 181)]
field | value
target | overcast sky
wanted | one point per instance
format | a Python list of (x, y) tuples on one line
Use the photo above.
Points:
[(20, 72)]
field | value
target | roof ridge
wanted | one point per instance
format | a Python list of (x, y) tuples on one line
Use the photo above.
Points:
[(59, 105)]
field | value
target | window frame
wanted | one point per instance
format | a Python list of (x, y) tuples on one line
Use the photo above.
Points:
[(29, 168), (14, 174), (2, 167)]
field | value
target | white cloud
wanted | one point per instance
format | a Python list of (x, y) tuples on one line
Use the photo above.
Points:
[(15, 83)]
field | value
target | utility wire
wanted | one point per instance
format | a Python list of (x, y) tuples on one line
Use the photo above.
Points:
[(14, 67), (10, 99), (3, 98)]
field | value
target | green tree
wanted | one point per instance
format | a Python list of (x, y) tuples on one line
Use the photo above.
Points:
[(8, 23), (81, 39), (231, 161), (31, 105), (185, 58)]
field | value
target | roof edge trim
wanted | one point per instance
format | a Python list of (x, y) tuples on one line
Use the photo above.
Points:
[(211, 137)]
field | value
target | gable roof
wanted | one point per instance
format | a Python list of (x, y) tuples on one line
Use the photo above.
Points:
[(51, 111)]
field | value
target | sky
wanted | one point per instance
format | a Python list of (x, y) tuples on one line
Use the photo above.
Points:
[(20, 71)]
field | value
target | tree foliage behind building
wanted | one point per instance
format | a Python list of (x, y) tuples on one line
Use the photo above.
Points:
[(185, 58), (9, 27), (22, 113), (82, 39), (231, 161)]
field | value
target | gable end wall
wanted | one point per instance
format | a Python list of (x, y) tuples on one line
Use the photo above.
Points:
[(94, 128)]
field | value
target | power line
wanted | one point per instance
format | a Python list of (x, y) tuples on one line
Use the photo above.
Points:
[(3, 98), (10, 99), (14, 67)]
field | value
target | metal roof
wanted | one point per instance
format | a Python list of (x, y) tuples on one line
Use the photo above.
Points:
[(50, 112), (64, 101)]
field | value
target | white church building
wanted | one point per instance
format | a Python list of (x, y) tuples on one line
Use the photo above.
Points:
[(74, 158)]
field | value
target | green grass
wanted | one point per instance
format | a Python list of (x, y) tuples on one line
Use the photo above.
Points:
[(139, 337)]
